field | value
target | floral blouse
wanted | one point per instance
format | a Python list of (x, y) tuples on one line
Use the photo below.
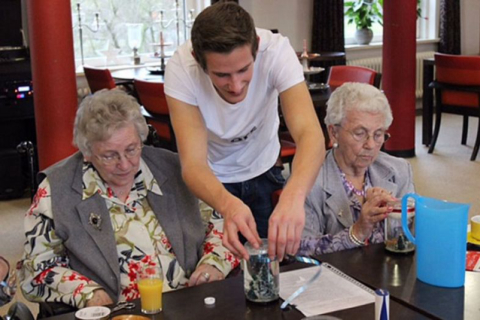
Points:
[(331, 243), (140, 239)]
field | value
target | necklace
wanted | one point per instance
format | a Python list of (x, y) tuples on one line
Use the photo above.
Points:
[(351, 187)]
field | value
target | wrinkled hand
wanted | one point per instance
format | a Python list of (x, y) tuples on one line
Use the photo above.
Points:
[(285, 228), (374, 210), (100, 298), (239, 219), (199, 275)]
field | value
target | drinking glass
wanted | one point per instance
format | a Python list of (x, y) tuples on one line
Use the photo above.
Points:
[(150, 286)]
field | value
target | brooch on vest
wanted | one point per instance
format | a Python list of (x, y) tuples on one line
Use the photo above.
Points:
[(95, 221)]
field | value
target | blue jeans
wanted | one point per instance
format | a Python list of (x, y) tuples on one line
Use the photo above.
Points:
[(256, 193)]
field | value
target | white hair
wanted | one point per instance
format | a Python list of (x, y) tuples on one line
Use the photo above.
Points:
[(359, 96), (104, 112)]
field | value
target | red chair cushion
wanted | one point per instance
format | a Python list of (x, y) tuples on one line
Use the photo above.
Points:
[(287, 148)]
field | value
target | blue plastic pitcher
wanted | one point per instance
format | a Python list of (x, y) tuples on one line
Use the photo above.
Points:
[(441, 240)]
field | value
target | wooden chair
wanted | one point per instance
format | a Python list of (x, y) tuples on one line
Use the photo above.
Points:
[(340, 74), (457, 91), (101, 78), (155, 109)]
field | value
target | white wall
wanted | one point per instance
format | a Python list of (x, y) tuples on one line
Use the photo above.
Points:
[(470, 26), (292, 18)]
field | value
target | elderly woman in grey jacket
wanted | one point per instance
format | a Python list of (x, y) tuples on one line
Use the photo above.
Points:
[(112, 208), (357, 183)]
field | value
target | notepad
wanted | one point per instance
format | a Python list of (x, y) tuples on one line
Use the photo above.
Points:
[(332, 291)]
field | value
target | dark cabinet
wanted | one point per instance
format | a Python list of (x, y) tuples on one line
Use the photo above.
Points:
[(17, 125)]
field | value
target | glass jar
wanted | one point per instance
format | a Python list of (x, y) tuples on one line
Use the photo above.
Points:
[(395, 239), (260, 274)]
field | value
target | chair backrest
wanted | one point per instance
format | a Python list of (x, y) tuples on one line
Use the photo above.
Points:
[(151, 96), (98, 79), (458, 70), (340, 74)]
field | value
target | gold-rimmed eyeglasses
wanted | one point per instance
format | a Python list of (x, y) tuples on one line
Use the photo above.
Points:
[(361, 135), (113, 158)]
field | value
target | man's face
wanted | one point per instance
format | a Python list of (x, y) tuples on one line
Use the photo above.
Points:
[(231, 73)]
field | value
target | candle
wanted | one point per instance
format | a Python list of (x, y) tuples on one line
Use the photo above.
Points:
[(162, 53)]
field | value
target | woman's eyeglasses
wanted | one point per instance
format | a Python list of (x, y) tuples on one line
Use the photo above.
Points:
[(114, 157), (362, 135)]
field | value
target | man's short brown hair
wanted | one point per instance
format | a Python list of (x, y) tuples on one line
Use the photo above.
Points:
[(221, 28)]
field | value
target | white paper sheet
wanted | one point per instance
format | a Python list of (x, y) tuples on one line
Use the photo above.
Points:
[(330, 292)]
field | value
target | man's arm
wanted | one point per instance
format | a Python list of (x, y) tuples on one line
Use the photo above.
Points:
[(288, 219), (191, 135)]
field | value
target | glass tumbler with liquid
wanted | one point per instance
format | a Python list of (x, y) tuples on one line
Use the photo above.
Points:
[(395, 239), (150, 286), (261, 274)]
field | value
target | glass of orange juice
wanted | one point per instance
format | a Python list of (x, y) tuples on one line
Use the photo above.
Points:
[(150, 285)]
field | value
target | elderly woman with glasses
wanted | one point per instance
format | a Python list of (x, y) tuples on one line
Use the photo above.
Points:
[(111, 209), (358, 183)]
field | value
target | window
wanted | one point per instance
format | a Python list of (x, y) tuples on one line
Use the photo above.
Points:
[(427, 24), (106, 31)]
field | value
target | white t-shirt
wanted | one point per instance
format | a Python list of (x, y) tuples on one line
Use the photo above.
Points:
[(243, 137)]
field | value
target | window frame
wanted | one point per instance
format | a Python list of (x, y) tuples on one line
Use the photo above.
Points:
[(124, 60), (427, 25)]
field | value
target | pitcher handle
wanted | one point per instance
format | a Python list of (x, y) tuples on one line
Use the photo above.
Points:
[(405, 227)]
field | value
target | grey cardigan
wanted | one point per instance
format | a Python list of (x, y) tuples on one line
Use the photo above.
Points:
[(327, 208), (92, 252)]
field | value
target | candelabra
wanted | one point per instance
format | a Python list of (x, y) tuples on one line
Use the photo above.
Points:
[(187, 20), (80, 27), (134, 36)]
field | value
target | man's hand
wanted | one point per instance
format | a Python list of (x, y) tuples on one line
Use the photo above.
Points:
[(100, 298), (285, 228), (374, 210), (239, 218), (205, 273)]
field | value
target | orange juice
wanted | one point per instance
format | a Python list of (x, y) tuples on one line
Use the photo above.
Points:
[(151, 295)]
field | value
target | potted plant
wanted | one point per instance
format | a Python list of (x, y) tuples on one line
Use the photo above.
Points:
[(364, 13)]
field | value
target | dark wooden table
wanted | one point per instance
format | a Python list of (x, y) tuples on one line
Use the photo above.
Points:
[(137, 73), (231, 304), (427, 101), (377, 268)]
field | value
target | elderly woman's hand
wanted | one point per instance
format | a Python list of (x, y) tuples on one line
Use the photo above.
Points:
[(374, 210), (100, 298), (205, 273)]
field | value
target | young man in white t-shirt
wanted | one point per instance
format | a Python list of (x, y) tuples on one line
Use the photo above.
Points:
[(222, 90)]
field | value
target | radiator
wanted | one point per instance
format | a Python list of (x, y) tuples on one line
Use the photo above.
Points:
[(375, 63)]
